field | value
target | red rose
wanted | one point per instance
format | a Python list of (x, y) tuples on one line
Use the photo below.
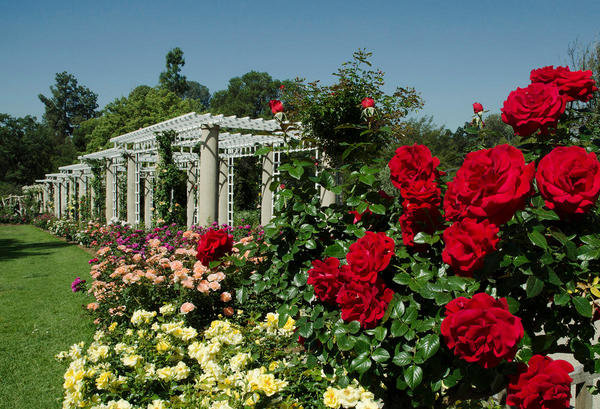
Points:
[(569, 179), (213, 245), (491, 184), (544, 384), (276, 106), (421, 192), (481, 330), (368, 102), (358, 216), (477, 107), (572, 85), (364, 302), (467, 243), (418, 218), (536, 107), (413, 163), (369, 255), (327, 278)]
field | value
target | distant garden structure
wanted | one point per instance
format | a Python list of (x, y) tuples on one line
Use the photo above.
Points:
[(200, 148)]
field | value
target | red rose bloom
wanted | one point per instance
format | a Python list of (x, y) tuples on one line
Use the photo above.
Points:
[(276, 106), (413, 163), (327, 277), (467, 243), (418, 218), (369, 255), (569, 179), (481, 330), (364, 302), (572, 85), (421, 192), (213, 245), (368, 102), (536, 107), (544, 384), (491, 184), (477, 107)]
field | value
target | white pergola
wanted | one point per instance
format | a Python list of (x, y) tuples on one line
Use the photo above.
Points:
[(205, 147)]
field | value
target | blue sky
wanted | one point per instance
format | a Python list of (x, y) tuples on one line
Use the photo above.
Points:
[(453, 53)]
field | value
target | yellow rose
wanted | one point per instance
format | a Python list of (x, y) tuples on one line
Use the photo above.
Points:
[(331, 399)]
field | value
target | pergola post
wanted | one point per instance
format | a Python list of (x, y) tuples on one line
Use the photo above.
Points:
[(209, 169), (191, 192), (92, 196), (223, 191), (110, 175), (82, 192), (44, 206), (266, 195), (56, 196), (327, 196), (131, 176), (64, 212), (148, 201)]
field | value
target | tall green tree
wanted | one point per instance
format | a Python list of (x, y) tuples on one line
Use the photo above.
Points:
[(248, 95), (68, 105), (25, 154), (197, 91), (172, 79)]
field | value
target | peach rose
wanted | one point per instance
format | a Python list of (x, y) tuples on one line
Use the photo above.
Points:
[(226, 297), (187, 307)]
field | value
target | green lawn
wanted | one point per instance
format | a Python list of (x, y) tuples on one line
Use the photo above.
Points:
[(39, 315)]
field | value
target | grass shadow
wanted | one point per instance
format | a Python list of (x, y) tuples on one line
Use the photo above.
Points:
[(11, 249)]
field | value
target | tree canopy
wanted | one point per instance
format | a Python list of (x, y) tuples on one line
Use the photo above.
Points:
[(68, 106), (143, 106), (172, 79)]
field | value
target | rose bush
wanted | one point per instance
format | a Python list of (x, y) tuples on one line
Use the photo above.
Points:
[(483, 273)]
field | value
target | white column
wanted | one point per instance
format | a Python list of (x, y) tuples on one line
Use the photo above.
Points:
[(131, 219), (93, 214), (56, 195), (148, 201), (44, 206), (109, 190), (327, 197), (81, 194), (191, 192), (223, 190), (209, 172), (64, 212), (266, 195)]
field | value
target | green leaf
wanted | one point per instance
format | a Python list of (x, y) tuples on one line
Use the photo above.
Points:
[(398, 328), (588, 252), (353, 327), (380, 333), (335, 250), (544, 214), (345, 342), (361, 363), (561, 299), (263, 151), (367, 179), (402, 358), (583, 306), (533, 286), (413, 375), (428, 346), (296, 172), (380, 355), (377, 208), (538, 239), (311, 244), (513, 305)]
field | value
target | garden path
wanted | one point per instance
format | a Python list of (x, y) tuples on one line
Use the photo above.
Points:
[(39, 315)]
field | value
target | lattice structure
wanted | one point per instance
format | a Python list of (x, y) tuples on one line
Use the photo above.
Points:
[(195, 138)]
